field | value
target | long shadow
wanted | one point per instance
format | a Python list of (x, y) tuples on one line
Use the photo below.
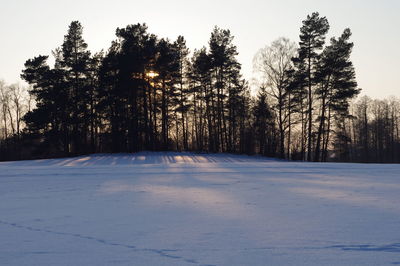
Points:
[(394, 247)]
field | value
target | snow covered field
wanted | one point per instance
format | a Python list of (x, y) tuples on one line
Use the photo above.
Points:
[(186, 209)]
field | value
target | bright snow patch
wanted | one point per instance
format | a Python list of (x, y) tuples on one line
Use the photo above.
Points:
[(187, 209)]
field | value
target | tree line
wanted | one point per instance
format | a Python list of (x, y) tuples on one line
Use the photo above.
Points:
[(151, 93)]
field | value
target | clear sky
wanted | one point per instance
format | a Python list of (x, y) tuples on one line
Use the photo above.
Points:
[(32, 27)]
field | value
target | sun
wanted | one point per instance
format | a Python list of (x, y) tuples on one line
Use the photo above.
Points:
[(152, 74)]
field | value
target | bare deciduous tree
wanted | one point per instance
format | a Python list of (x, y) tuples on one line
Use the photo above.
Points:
[(274, 62)]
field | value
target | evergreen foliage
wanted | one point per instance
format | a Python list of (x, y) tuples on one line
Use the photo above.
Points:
[(151, 93)]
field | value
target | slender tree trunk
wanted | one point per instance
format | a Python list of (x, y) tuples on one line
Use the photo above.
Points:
[(325, 148), (280, 125), (5, 121), (164, 119), (11, 121), (146, 119), (320, 130), (289, 125), (303, 132), (154, 131), (309, 106)]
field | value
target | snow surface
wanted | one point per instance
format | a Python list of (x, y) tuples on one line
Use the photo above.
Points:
[(197, 209)]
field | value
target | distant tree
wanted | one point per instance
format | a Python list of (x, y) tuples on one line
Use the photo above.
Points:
[(13, 106), (4, 101), (264, 124), (19, 105), (362, 127), (374, 131)]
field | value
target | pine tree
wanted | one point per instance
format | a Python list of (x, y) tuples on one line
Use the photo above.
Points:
[(202, 95), (337, 86), (226, 78), (264, 124), (50, 118), (312, 40), (74, 61), (134, 59), (183, 105), (93, 94)]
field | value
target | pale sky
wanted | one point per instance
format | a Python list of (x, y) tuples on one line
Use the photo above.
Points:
[(32, 27)]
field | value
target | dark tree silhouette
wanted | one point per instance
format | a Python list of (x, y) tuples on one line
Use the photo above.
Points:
[(312, 40), (150, 93)]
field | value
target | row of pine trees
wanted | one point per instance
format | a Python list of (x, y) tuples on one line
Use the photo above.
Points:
[(151, 93), (143, 94)]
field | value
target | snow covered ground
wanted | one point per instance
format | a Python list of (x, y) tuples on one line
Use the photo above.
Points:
[(187, 209)]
